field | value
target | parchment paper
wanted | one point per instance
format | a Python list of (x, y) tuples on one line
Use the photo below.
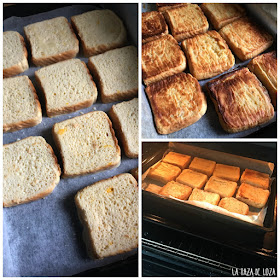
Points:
[(44, 238), (208, 126)]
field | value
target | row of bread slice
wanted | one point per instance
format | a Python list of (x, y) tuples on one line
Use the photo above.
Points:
[(53, 40)]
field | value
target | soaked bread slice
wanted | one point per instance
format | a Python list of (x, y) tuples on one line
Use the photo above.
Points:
[(234, 205)]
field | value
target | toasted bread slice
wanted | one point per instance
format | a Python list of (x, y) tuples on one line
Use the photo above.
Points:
[(203, 196), (21, 107), (264, 67), (252, 196), (177, 102), (162, 7), (186, 21), (240, 100), (202, 165), (192, 178), (220, 186), (227, 172), (208, 55), (161, 58), (255, 178), (221, 14), (153, 24), (176, 190), (234, 205), (246, 38), (14, 54), (177, 159), (51, 41), (153, 188)]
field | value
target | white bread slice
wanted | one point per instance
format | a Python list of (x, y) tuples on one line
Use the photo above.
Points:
[(87, 144), (51, 41), (30, 171), (99, 31), (108, 211), (67, 87), (116, 72), (124, 116), (21, 107), (14, 54)]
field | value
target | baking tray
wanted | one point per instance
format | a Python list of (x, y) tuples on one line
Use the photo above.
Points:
[(44, 238), (209, 126)]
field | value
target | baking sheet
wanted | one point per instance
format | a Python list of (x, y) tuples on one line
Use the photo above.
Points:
[(209, 126), (44, 238)]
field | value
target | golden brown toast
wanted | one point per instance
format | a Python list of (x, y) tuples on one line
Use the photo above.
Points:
[(240, 100), (221, 14), (255, 178), (208, 55), (200, 195), (202, 165), (153, 188), (177, 159), (161, 58), (162, 7), (227, 172), (246, 38), (176, 190), (192, 178), (233, 205), (177, 102)]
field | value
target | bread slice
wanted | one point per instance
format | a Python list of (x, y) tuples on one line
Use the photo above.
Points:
[(161, 58), (153, 188), (162, 7), (221, 14), (21, 107), (233, 205), (264, 67), (252, 196), (116, 73), (108, 211), (246, 38), (177, 159), (153, 24), (124, 116), (30, 171), (176, 190), (14, 54), (87, 144), (255, 178), (51, 41), (203, 196), (67, 87), (240, 100), (177, 102), (202, 165), (186, 21), (208, 55), (99, 31), (227, 172), (192, 178)]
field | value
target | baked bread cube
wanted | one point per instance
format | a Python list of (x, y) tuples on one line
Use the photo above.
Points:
[(177, 159), (153, 188), (108, 211), (21, 107), (162, 7), (14, 54), (161, 58), (186, 21), (177, 102), (221, 14), (208, 55), (87, 144), (234, 205), (255, 178), (264, 67), (202, 165), (220, 186), (51, 41), (227, 172), (252, 196), (116, 73), (67, 87), (99, 31), (246, 38), (176, 190), (203, 196), (30, 171), (240, 100), (192, 178), (164, 172), (124, 116), (153, 24)]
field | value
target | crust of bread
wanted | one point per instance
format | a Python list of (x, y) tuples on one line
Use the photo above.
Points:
[(234, 205), (27, 123), (264, 67), (208, 55), (161, 58), (177, 102), (245, 38), (186, 21), (221, 14), (228, 94), (256, 179)]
